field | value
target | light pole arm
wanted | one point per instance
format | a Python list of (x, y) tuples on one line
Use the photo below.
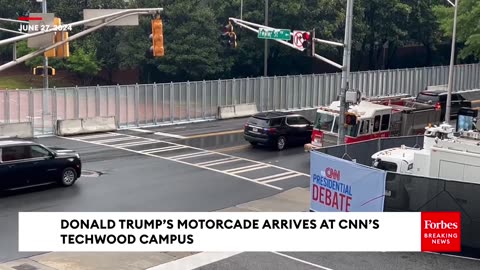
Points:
[(250, 26), (112, 17), (69, 39)]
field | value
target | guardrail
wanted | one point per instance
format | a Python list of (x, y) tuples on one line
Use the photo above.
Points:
[(154, 104)]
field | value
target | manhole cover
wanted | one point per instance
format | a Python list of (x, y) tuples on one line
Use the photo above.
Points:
[(25, 266), (88, 173)]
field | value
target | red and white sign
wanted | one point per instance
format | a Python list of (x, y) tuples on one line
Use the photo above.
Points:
[(298, 39)]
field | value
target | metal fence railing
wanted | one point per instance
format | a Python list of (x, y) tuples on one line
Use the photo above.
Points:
[(152, 104)]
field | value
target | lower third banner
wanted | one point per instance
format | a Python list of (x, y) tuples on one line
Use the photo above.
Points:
[(237, 231)]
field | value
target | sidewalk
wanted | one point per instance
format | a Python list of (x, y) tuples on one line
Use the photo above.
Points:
[(293, 200)]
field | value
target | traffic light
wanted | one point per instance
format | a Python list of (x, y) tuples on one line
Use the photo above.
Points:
[(308, 42), (350, 119), (39, 71), (53, 52), (63, 50), (229, 37), (156, 37)]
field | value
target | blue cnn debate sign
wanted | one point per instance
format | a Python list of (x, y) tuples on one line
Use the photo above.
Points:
[(338, 185)]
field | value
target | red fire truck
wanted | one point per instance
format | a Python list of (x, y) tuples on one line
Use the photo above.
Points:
[(376, 117)]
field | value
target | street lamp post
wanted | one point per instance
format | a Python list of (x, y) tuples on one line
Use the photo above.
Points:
[(452, 61), (265, 56), (45, 71)]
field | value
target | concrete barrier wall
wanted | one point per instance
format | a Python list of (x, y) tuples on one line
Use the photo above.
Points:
[(69, 127), (85, 126), (239, 110), (99, 124), (22, 130)]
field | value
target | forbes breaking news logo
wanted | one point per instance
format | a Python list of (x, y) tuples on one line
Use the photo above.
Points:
[(441, 231)]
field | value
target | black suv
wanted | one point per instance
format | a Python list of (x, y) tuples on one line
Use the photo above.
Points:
[(277, 129), (438, 97), (26, 164)]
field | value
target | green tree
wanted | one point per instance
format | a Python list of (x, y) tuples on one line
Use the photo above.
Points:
[(468, 27), (423, 27), (192, 51), (83, 61)]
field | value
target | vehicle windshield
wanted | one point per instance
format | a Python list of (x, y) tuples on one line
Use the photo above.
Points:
[(384, 165), (324, 121)]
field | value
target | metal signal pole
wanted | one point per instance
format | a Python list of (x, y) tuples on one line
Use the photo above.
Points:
[(265, 57), (452, 62), (45, 72), (347, 49)]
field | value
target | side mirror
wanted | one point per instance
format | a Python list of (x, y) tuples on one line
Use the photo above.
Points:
[(52, 155)]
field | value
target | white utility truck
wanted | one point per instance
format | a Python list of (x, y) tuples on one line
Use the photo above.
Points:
[(445, 155)]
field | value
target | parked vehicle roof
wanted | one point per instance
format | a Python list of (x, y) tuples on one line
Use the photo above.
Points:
[(15, 142), (273, 114)]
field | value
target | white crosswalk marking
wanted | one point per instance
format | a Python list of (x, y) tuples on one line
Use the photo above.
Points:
[(212, 160), (272, 176)]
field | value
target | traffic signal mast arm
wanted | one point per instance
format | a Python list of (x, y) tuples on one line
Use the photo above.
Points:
[(250, 26), (38, 52)]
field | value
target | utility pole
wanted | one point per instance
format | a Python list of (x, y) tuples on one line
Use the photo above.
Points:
[(452, 61), (345, 72), (46, 95), (241, 9), (265, 57)]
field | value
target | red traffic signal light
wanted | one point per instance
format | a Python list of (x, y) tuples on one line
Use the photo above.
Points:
[(308, 42), (306, 36)]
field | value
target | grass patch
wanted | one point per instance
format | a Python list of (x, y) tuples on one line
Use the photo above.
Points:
[(22, 81)]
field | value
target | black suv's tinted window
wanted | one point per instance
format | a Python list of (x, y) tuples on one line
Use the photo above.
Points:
[(423, 98), (10, 153), (274, 122), (258, 122), (297, 120), (38, 151)]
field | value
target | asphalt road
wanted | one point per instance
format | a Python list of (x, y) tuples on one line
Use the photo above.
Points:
[(136, 178)]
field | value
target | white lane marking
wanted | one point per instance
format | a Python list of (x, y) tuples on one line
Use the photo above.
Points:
[(252, 169), (176, 146), (241, 168), (189, 154), (130, 144), (214, 161), (268, 177), (166, 149), (222, 162), (455, 256), (194, 156), (140, 130), (98, 136), (195, 261), (281, 178), (169, 135), (225, 155), (154, 149), (302, 261), (114, 140)]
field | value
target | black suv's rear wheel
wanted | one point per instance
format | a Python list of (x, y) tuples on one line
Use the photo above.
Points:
[(69, 176), (280, 143)]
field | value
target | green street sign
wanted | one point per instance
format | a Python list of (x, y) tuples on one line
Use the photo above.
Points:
[(283, 34)]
